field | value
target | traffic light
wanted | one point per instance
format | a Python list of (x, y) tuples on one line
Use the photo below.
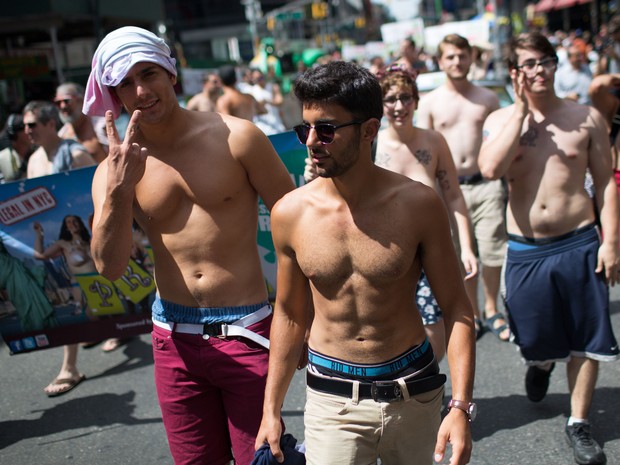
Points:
[(319, 10)]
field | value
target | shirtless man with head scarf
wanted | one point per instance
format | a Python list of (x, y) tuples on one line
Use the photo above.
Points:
[(193, 188)]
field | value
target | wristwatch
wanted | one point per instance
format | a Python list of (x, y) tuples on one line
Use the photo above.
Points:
[(470, 409)]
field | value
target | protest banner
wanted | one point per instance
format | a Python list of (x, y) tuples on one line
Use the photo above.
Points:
[(50, 291)]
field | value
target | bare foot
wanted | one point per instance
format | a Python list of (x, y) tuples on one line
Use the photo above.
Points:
[(63, 383), (112, 344)]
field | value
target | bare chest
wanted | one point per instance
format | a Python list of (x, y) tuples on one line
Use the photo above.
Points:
[(336, 250), (191, 181), (458, 112), (547, 150)]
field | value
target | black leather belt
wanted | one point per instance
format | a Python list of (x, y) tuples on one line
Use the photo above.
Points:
[(379, 391), (471, 179)]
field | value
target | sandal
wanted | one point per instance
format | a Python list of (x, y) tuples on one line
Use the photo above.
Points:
[(479, 328), (489, 323), (69, 384)]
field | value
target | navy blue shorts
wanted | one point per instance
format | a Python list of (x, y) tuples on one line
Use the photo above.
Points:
[(557, 305)]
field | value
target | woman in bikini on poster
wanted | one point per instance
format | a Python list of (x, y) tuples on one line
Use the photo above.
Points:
[(74, 244)]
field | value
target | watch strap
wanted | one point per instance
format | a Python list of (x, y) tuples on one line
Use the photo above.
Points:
[(461, 405)]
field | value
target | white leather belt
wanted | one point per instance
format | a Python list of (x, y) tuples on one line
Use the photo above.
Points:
[(222, 330)]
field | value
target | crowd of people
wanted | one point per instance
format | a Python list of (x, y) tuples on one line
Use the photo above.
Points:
[(410, 201)]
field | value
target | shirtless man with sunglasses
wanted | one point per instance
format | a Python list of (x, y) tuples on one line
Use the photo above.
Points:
[(353, 243)]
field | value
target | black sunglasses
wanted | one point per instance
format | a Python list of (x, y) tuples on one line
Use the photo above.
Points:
[(324, 131), (31, 125), (66, 101)]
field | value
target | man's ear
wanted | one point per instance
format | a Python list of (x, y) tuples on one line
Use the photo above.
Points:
[(371, 128), (173, 79)]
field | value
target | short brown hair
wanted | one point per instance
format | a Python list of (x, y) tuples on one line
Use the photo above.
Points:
[(400, 78), (456, 40), (529, 41)]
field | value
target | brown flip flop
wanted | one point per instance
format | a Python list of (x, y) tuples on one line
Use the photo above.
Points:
[(70, 382)]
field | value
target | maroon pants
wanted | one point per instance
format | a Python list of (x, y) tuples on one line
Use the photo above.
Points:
[(211, 394)]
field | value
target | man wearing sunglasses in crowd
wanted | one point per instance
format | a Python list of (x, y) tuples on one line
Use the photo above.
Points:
[(457, 109), (558, 268), (55, 154), (354, 241), (423, 155)]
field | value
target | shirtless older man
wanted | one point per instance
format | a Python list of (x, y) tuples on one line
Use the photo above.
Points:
[(191, 180), (423, 155), (353, 241), (558, 267), (457, 110)]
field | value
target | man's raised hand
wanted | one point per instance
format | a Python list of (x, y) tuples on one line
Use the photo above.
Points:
[(126, 159)]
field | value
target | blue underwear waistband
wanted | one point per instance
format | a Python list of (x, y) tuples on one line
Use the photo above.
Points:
[(369, 370), (170, 312), (522, 248)]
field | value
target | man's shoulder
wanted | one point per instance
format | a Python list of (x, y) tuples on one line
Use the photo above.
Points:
[(481, 90), (579, 112), (497, 118), (484, 96), (289, 206), (436, 93), (38, 154)]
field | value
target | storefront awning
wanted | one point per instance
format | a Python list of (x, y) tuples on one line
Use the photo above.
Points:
[(543, 6), (561, 4)]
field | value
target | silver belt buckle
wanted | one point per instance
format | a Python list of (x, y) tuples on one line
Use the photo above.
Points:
[(385, 391)]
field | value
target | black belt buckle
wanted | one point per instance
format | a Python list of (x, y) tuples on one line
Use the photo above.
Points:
[(211, 330), (385, 391)]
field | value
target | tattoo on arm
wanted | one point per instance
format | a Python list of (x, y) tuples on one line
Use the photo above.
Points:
[(528, 138), (443, 181), (423, 156)]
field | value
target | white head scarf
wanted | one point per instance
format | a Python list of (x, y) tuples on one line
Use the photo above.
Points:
[(116, 54)]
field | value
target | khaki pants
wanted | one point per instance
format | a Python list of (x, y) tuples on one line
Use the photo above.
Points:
[(486, 203), (341, 431)]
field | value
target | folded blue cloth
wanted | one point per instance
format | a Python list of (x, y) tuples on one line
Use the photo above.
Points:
[(292, 456)]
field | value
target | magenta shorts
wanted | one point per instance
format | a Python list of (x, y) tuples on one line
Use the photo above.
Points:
[(211, 394)]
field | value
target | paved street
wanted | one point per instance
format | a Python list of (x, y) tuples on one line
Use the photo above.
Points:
[(113, 417)]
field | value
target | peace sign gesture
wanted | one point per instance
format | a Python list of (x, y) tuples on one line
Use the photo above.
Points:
[(127, 159)]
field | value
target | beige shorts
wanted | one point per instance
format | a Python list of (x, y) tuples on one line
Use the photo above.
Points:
[(339, 431), (486, 203)]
